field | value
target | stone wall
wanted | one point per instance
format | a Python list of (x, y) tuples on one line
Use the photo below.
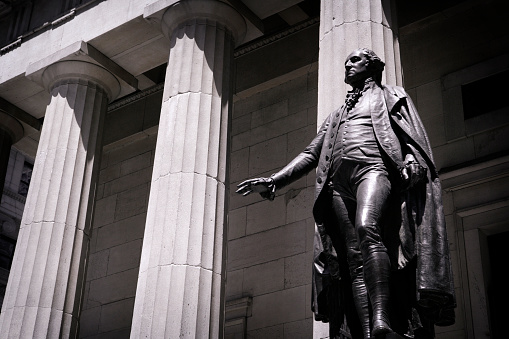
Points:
[(270, 243), (117, 235), (434, 51)]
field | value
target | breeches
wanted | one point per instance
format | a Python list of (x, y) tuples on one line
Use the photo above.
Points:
[(359, 197)]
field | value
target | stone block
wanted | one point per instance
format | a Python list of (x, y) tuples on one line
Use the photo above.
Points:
[(266, 246), (136, 163), (310, 234), (265, 215), (429, 97), (479, 195), (234, 284), (239, 164), (235, 329), (297, 270), (152, 110), (269, 113), (454, 153), (241, 124), (129, 150), (237, 223), (129, 181), (299, 204), (241, 140), (266, 155), (435, 129), (299, 139), (118, 334), (89, 322), (301, 329), (116, 315), (97, 265), (104, 212), (448, 202), (451, 232), (278, 307), (100, 192), (114, 287), (109, 173), (272, 332), (124, 121), (491, 141), (120, 232), (124, 257), (279, 127), (264, 278), (132, 202), (303, 100)]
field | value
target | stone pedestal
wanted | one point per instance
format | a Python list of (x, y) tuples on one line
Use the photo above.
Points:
[(345, 26), (181, 280), (45, 284)]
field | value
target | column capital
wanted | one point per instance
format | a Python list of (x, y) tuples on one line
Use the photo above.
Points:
[(169, 14), (81, 60), (12, 126), (73, 69)]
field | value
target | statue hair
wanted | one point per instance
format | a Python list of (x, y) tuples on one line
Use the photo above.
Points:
[(375, 66)]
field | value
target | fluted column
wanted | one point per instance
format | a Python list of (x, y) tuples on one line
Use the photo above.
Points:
[(346, 25), (180, 284), (45, 284)]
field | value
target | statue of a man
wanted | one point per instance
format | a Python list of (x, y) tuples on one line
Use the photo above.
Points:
[(381, 262)]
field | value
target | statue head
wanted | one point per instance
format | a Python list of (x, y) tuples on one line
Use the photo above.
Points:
[(362, 64)]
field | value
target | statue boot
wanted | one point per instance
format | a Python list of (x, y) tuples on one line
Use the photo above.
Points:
[(377, 270), (361, 301)]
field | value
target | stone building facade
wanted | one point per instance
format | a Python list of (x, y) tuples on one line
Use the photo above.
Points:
[(133, 121)]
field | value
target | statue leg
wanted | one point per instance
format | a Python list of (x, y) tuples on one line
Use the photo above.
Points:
[(360, 298), (373, 189), (345, 212)]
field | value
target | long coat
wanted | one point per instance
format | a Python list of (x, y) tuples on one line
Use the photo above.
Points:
[(414, 229)]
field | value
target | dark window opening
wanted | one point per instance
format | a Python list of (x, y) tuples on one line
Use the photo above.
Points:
[(498, 293), (485, 95), (26, 176)]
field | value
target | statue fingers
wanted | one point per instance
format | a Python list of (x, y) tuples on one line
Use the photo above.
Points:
[(242, 189), (247, 182)]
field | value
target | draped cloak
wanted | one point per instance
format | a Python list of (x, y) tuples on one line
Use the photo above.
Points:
[(413, 227)]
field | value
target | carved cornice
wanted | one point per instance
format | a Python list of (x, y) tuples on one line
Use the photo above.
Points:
[(14, 195), (135, 97), (64, 17), (272, 38)]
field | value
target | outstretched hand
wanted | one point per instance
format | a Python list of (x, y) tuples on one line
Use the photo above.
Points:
[(264, 186)]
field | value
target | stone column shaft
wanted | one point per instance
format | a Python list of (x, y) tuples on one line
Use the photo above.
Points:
[(45, 284), (180, 285), (346, 25)]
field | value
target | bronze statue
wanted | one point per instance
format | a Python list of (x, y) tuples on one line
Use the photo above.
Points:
[(381, 265)]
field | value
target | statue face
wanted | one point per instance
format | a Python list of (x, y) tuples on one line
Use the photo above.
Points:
[(356, 68)]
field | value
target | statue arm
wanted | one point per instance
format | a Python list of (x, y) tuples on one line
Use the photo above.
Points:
[(298, 167), (413, 171), (305, 161)]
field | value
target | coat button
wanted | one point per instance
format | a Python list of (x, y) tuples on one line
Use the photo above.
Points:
[(319, 180)]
